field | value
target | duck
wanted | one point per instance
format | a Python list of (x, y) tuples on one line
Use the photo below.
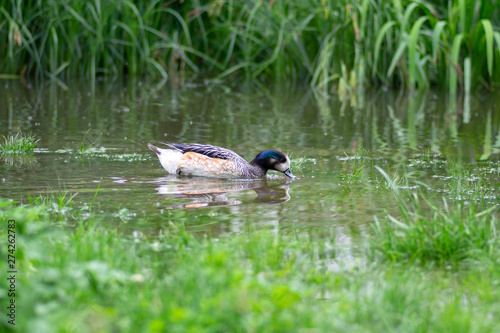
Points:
[(205, 160)]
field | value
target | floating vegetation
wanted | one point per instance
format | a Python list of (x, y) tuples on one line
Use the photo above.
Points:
[(104, 153), (131, 157), (299, 163)]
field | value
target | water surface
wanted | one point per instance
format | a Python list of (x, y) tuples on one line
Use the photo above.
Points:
[(333, 144)]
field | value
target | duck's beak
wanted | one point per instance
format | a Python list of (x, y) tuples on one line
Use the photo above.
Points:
[(288, 173)]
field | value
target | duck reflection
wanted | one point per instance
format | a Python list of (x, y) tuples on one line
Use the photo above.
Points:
[(209, 192)]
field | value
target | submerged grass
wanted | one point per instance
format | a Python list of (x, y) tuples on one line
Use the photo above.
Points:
[(342, 44), (19, 144)]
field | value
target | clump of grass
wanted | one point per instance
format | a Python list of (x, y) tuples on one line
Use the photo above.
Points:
[(449, 233), (446, 234), (19, 144), (85, 149), (354, 166), (57, 205)]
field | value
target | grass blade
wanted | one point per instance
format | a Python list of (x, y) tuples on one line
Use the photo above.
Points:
[(497, 38), (158, 67), (422, 77), (463, 15), (232, 70), (415, 31), (80, 19), (182, 23), (455, 53), (364, 16), (397, 55), (406, 19), (390, 182), (488, 32), (435, 39), (378, 41)]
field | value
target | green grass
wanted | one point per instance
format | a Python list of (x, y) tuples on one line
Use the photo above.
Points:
[(79, 274), (332, 45), (19, 144), (356, 166), (450, 233)]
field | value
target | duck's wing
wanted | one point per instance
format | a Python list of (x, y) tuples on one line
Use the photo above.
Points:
[(207, 150)]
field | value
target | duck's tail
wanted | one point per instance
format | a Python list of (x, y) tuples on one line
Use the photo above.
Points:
[(169, 158)]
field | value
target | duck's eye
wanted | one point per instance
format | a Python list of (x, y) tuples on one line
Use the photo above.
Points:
[(282, 160)]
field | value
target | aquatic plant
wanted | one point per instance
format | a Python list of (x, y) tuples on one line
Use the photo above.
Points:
[(298, 163), (342, 44), (19, 144), (360, 161)]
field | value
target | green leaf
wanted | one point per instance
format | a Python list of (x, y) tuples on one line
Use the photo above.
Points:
[(488, 32), (435, 38), (455, 53), (496, 34), (415, 32), (181, 22), (80, 19), (463, 15), (406, 18), (158, 67), (397, 56), (422, 77), (364, 16), (378, 41)]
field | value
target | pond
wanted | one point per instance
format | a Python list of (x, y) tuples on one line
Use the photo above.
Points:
[(93, 139)]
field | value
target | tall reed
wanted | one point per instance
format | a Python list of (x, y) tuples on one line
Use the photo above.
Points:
[(343, 44)]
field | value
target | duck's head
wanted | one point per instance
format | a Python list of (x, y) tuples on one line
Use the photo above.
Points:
[(273, 160)]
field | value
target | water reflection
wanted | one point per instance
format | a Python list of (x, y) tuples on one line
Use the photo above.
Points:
[(198, 192), (18, 160), (248, 118)]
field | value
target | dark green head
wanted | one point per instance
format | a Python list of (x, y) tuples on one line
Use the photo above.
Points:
[(273, 160)]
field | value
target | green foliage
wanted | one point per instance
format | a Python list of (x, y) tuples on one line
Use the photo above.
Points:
[(450, 233), (414, 43), (94, 278), (19, 144), (446, 235)]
